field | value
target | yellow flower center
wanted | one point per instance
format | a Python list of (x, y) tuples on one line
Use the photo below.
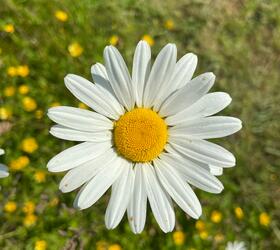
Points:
[(140, 135)]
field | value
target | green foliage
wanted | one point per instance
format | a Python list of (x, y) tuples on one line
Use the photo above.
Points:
[(238, 40)]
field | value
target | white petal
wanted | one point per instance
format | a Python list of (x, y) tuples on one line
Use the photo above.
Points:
[(184, 70), (207, 105), (79, 119), (159, 77), (203, 151), (137, 207), (120, 196), (215, 170), (77, 155), (96, 97), (207, 128), (187, 95), (182, 74), (100, 77), (2, 151), (119, 76), (160, 204), (76, 177), (141, 70), (193, 173), (76, 135), (97, 186), (177, 188), (3, 171)]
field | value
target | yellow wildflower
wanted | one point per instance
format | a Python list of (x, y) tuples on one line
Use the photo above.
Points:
[(23, 70), (29, 104), (200, 225), (75, 49), (9, 28), (61, 15), (29, 145), (40, 245), (19, 163), (114, 39), (40, 176), (82, 106), (9, 91), (55, 104), (219, 237), (169, 24), (23, 89), (179, 238), (12, 71), (101, 245), (39, 114), (239, 213), (54, 202), (264, 219), (115, 247), (149, 40), (5, 113), (216, 216), (28, 207), (203, 235), (10, 207), (29, 220)]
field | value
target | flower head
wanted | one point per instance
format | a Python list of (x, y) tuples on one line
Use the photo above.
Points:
[(9, 91), (179, 238), (23, 89), (239, 213), (75, 49), (216, 216), (148, 39), (264, 219), (169, 24), (29, 104), (235, 246), (23, 70), (28, 207), (142, 134), (40, 176), (114, 39), (29, 145), (9, 28), (61, 15), (10, 207), (19, 163), (40, 245), (30, 220)]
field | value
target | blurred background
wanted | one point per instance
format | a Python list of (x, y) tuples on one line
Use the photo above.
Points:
[(43, 40)]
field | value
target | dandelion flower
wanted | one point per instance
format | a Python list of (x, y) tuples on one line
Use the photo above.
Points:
[(9, 91), (29, 145), (3, 169), (23, 89), (40, 245), (114, 39), (149, 40), (9, 28), (235, 246), (264, 219), (23, 70), (61, 15), (29, 104), (146, 136), (75, 49), (179, 238), (10, 207)]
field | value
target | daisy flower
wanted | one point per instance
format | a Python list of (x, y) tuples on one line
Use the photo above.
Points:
[(146, 136), (3, 168), (235, 246)]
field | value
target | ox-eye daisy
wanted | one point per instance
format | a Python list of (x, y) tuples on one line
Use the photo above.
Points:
[(3, 168), (145, 136)]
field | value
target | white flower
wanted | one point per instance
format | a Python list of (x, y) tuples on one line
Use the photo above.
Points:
[(145, 137), (3, 168), (235, 246)]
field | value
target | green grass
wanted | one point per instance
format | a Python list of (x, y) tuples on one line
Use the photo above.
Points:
[(238, 40)]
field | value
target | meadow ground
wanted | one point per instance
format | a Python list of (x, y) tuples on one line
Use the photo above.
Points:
[(237, 40)]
